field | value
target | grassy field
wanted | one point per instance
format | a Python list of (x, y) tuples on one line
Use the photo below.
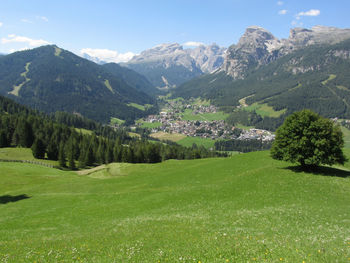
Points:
[(16, 153), (188, 116), (175, 137), (188, 141), (248, 208), (137, 106), (84, 131), (264, 110), (116, 121), (151, 125), (346, 133)]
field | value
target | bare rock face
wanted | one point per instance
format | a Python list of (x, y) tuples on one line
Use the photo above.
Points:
[(166, 55), (208, 58), (169, 65), (259, 47), (256, 47)]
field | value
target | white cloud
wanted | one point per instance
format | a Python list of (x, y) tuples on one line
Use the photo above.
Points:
[(24, 20), (44, 18), (280, 3), (282, 12), (1, 24), (193, 44), (107, 55), (20, 39), (311, 12)]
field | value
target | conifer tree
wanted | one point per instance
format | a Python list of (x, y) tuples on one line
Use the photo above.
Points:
[(70, 153), (38, 149), (52, 150), (89, 157), (61, 155), (3, 139)]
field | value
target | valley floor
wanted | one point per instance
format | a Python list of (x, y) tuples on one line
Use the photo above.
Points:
[(247, 208)]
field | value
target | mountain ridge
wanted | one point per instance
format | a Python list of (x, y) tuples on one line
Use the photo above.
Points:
[(52, 79), (314, 77), (258, 46), (169, 65)]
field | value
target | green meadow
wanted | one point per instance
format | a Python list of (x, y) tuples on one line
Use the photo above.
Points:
[(189, 116), (265, 110), (150, 125), (137, 106), (117, 121), (188, 141), (247, 208)]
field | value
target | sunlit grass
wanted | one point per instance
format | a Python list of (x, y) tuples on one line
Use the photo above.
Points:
[(174, 137), (265, 110), (16, 153), (189, 116), (189, 141), (117, 121), (248, 208), (137, 106)]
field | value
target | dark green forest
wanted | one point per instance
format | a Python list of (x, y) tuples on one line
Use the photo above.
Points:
[(51, 79), (315, 77), (51, 137), (175, 74), (132, 78), (242, 145)]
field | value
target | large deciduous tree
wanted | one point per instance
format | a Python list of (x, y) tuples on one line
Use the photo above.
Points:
[(308, 139)]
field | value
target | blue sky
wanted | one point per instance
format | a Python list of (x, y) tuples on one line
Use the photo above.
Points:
[(118, 29)]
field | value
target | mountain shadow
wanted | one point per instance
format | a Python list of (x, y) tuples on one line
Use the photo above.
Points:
[(4, 199), (321, 170)]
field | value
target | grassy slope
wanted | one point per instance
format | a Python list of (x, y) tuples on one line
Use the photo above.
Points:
[(264, 110), (175, 137), (241, 209), (11, 153), (151, 125), (189, 141), (137, 106), (188, 116)]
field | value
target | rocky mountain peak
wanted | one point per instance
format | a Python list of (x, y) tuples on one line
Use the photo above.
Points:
[(255, 36), (257, 46), (208, 58), (168, 65), (165, 48), (159, 52)]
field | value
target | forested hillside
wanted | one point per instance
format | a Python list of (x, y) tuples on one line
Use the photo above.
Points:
[(23, 127), (315, 77), (51, 79), (132, 78)]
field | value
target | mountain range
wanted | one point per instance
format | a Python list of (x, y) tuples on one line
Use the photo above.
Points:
[(259, 47), (52, 79), (169, 65), (307, 70)]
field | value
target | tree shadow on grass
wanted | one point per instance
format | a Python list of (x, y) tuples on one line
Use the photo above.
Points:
[(321, 170), (4, 199)]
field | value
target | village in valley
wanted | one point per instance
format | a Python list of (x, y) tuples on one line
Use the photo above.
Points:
[(195, 119)]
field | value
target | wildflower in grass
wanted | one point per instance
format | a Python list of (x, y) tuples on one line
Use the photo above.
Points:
[(281, 259)]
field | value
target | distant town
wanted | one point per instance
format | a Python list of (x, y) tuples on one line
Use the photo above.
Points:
[(170, 120)]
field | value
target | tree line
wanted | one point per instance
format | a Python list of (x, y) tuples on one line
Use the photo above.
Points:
[(242, 145), (57, 141)]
